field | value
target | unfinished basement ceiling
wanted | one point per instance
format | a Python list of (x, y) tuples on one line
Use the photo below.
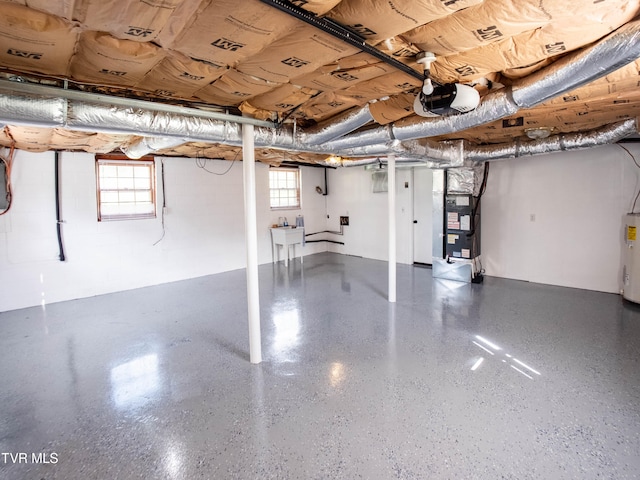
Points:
[(247, 57)]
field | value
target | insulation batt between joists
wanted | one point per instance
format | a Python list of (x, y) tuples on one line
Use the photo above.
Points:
[(341, 75), (378, 20), (326, 105), (136, 20), (319, 7), (401, 50), (233, 88), (487, 22), (281, 99), (580, 68), (295, 55), (107, 60), (224, 32), (572, 71), (179, 76), (586, 24), (393, 109), (188, 10), (35, 41), (383, 86)]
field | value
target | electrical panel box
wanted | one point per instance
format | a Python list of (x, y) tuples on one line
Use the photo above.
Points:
[(462, 227)]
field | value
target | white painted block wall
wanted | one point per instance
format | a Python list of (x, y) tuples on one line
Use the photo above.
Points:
[(351, 193), (579, 200), (204, 229)]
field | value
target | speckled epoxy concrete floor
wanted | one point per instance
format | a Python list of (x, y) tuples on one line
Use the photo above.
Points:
[(156, 383)]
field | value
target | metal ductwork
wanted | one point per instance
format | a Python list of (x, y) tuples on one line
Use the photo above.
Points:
[(30, 110), (460, 153), (339, 126), (556, 143), (146, 145), (36, 105), (494, 106), (580, 68), (575, 70)]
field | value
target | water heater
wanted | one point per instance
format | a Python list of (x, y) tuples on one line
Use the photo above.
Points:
[(631, 269)]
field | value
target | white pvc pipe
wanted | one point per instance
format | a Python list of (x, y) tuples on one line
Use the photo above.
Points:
[(251, 239), (391, 188)]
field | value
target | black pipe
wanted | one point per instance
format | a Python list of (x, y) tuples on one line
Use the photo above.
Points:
[(58, 220), (330, 241), (341, 32), (326, 185), (341, 232)]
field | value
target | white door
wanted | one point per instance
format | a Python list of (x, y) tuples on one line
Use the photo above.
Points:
[(422, 215)]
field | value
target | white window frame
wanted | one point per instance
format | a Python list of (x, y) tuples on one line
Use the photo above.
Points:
[(133, 208), (280, 190)]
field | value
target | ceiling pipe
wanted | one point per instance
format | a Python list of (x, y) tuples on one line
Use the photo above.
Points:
[(463, 153), (555, 143), (614, 51), (494, 106), (338, 126), (316, 135), (165, 131), (575, 70), (54, 98), (146, 145), (37, 105)]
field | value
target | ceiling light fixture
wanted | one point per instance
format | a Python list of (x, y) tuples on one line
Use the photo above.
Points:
[(435, 100), (538, 132)]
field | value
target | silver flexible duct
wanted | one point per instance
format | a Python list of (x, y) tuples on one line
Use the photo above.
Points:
[(575, 70), (378, 135), (113, 119), (344, 123), (448, 152), (27, 110), (564, 142), (617, 49), (143, 146), (164, 130), (24, 104), (401, 161), (494, 106)]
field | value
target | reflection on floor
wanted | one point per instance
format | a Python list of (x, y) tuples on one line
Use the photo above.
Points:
[(500, 380)]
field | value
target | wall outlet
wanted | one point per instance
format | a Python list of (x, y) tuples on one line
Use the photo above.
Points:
[(344, 220), (532, 217)]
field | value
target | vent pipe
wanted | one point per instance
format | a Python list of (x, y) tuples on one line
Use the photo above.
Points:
[(36, 105)]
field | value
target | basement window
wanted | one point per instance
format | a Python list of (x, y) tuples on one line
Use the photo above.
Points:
[(126, 188), (284, 188)]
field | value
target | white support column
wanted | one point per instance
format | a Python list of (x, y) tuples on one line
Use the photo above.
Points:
[(391, 187), (251, 239)]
